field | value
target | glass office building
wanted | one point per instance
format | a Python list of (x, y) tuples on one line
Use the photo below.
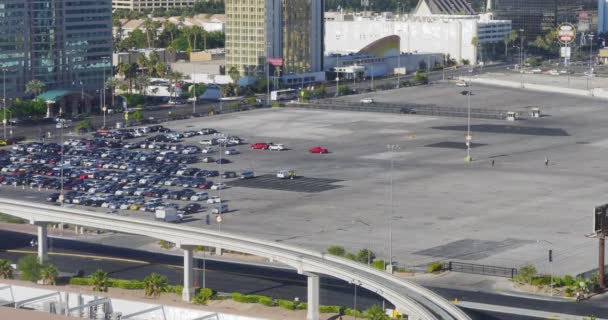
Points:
[(59, 42), (537, 17), (291, 30)]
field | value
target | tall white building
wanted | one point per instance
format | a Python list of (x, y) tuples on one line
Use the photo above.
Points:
[(429, 29)]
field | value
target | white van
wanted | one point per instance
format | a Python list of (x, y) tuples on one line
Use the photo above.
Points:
[(220, 208)]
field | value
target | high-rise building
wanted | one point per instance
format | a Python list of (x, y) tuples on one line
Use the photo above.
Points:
[(62, 43), (291, 30), (537, 17), (139, 5)]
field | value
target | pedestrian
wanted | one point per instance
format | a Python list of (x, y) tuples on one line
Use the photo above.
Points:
[(492, 163), (546, 161)]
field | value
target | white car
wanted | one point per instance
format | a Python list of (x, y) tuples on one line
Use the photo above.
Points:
[(276, 147), (367, 100), (286, 174), (207, 150), (218, 186), (231, 151), (214, 199), (554, 72), (461, 84), (199, 196)]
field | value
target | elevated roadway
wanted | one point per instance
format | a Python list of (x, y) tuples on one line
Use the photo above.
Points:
[(408, 298)]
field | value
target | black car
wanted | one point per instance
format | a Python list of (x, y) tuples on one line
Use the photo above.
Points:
[(222, 161), (191, 208), (52, 197), (212, 173), (229, 175)]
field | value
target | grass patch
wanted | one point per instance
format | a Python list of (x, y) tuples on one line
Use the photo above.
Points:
[(6, 218)]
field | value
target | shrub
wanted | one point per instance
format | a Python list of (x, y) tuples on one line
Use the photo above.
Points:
[(267, 301), (541, 281), (287, 304), (49, 274), (421, 78), (526, 274), (376, 313), (344, 90), (199, 248), (330, 309), (81, 281), (154, 285), (353, 312), (569, 292), (175, 289), (203, 296), (6, 271), (336, 251), (134, 99), (434, 267), (166, 244), (302, 306), (276, 104), (126, 284), (29, 267), (379, 264), (100, 281), (568, 280), (10, 219), (350, 256)]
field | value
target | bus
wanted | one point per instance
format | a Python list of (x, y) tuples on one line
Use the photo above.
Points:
[(285, 94)]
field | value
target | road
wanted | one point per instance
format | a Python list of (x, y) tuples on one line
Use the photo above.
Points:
[(72, 256)]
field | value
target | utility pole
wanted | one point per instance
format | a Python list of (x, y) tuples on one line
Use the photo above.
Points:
[(468, 138), (590, 60), (602, 252), (391, 148), (4, 120), (194, 90), (521, 57), (337, 75), (399, 69)]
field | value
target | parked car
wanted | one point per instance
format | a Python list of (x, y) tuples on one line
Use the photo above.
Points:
[(214, 199), (367, 100), (199, 196), (260, 146), (286, 174), (318, 150), (247, 175), (276, 147), (231, 151), (222, 161)]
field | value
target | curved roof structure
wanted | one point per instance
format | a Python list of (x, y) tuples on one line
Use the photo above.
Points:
[(384, 47)]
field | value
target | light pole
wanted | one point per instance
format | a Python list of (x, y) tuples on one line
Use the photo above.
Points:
[(399, 69), (267, 75), (194, 91), (521, 57), (372, 67), (550, 261), (61, 195), (103, 105), (391, 148), (74, 83), (337, 75), (4, 121), (468, 138), (590, 59)]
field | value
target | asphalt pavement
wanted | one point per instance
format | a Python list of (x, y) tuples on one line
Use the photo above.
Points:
[(73, 256)]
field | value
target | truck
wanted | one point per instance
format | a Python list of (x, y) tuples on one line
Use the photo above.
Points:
[(168, 215)]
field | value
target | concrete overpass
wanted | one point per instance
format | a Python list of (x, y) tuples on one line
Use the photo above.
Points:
[(408, 298)]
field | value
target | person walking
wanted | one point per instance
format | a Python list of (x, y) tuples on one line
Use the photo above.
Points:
[(546, 161), (492, 163)]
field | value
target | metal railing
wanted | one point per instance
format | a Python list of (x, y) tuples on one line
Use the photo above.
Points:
[(480, 269)]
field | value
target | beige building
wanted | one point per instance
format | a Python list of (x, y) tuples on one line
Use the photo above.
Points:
[(139, 5), (290, 31)]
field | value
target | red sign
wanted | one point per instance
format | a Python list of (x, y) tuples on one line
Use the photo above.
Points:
[(277, 62)]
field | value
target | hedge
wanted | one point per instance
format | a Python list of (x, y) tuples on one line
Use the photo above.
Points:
[(267, 301), (434, 267), (126, 284), (330, 309), (302, 306), (245, 298), (353, 313), (378, 264), (81, 281), (203, 295), (287, 304)]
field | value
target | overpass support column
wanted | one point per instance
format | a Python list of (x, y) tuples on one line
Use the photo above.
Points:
[(42, 241), (313, 297), (188, 291)]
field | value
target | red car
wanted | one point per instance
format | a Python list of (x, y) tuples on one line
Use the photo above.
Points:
[(260, 145), (318, 150)]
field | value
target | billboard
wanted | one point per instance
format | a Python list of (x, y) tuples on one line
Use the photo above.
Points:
[(566, 33), (600, 221), (277, 62)]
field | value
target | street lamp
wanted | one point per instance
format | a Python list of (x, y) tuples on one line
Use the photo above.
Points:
[(468, 138), (521, 57), (61, 195), (391, 148), (74, 83), (590, 59), (550, 261), (194, 91), (337, 74), (4, 101), (103, 105)]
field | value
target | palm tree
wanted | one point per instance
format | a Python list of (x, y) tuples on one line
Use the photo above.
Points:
[(151, 29), (100, 281), (142, 62), (49, 274), (127, 70), (154, 285), (142, 83), (161, 69), (6, 271), (35, 86), (174, 78), (111, 84)]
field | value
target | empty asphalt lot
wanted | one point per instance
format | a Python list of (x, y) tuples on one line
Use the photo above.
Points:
[(444, 208)]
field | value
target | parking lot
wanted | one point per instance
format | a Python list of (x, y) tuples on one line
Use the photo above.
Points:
[(493, 215)]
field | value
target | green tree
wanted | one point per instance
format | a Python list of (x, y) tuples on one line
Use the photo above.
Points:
[(6, 271), (100, 281), (174, 78), (421, 78), (365, 256), (137, 116), (34, 87), (344, 90), (154, 285), (49, 274), (29, 268), (422, 65), (128, 71), (84, 125), (234, 74), (375, 313), (111, 84)]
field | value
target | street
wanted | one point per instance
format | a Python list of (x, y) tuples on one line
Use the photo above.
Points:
[(73, 256)]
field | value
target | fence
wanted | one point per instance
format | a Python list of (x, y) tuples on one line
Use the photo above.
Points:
[(480, 269), (408, 108)]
